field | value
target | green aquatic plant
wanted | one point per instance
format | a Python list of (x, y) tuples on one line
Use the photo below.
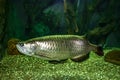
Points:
[(20, 67)]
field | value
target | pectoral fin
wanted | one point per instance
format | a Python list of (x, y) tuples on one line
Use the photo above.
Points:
[(42, 55)]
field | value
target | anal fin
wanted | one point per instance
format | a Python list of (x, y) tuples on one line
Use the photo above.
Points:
[(80, 58), (57, 62)]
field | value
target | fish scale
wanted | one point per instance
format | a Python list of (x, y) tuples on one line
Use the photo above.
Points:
[(57, 47), (60, 47)]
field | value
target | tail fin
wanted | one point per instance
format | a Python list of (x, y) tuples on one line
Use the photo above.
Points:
[(99, 51)]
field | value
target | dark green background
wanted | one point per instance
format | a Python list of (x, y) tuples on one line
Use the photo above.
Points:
[(25, 19)]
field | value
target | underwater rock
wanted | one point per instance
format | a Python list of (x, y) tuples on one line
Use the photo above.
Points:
[(11, 49), (54, 17), (40, 30), (113, 57), (70, 16), (99, 34)]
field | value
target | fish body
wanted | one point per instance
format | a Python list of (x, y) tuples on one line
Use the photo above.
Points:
[(57, 47)]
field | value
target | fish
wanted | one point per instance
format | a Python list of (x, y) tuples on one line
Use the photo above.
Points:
[(113, 56), (58, 47)]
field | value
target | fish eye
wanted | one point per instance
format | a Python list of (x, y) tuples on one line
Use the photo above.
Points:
[(21, 44)]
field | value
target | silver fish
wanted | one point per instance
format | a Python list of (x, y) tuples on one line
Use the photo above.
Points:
[(58, 47)]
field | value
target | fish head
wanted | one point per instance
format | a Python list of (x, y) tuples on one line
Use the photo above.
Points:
[(26, 48)]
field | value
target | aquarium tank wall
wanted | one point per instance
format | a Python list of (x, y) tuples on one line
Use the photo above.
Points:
[(98, 21)]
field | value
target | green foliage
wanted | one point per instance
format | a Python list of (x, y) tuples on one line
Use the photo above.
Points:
[(21, 67)]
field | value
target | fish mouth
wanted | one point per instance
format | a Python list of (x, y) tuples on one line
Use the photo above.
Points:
[(19, 48)]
